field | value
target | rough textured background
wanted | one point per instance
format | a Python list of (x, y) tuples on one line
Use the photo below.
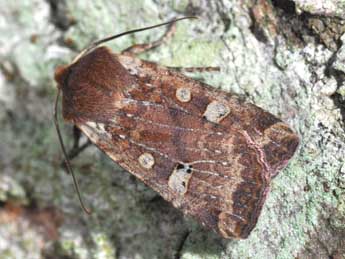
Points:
[(286, 56)]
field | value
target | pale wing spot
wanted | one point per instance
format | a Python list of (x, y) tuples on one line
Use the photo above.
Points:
[(114, 120), (146, 160), (131, 64), (99, 128), (133, 71), (91, 124), (90, 132), (179, 178), (216, 111), (183, 95)]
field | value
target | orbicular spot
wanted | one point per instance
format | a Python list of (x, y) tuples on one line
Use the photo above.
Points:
[(183, 95), (179, 179), (146, 160), (216, 111)]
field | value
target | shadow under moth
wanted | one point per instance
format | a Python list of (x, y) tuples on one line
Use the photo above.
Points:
[(208, 152)]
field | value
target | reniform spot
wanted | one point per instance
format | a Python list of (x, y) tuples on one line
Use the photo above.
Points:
[(216, 111), (179, 178)]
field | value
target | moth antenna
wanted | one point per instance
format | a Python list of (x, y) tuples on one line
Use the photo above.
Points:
[(97, 43), (69, 168)]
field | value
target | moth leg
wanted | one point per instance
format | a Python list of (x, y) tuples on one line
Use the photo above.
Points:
[(76, 136), (76, 149), (74, 152), (181, 243), (195, 69), (140, 48)]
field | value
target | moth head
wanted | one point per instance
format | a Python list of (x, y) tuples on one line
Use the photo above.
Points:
[(61, 74)]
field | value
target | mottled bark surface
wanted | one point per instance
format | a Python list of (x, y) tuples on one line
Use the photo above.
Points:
[(287, 57)]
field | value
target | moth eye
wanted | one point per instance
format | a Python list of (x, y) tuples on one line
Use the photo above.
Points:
[(183, 95), (216, 111), (146, 160)]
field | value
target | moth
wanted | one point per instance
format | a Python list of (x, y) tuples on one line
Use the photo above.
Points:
[(208, 152)]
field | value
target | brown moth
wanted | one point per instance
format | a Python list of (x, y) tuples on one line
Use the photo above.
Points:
[(208, 152)]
